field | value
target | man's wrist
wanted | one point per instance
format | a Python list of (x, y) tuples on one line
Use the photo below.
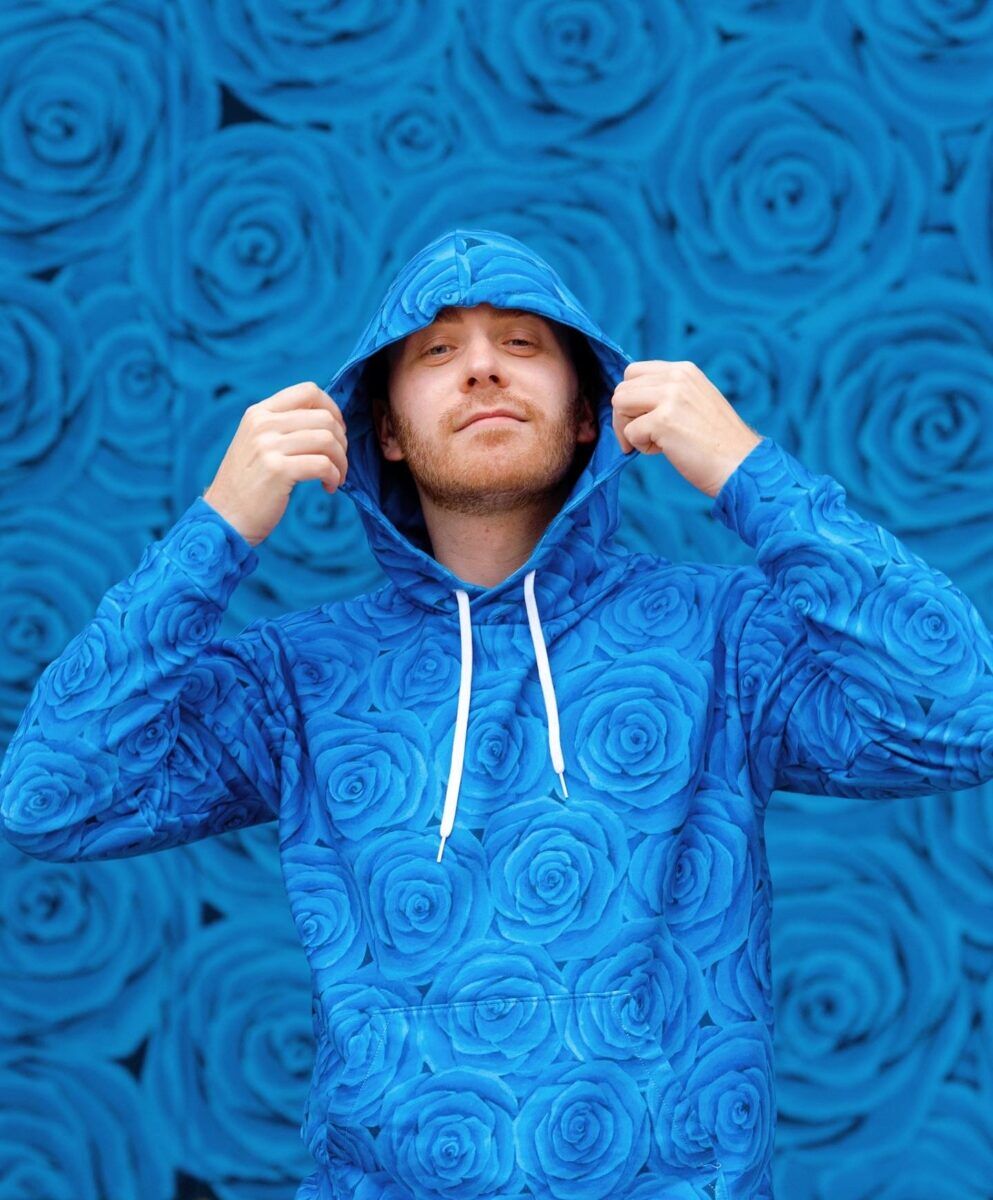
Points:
[(735, 458)]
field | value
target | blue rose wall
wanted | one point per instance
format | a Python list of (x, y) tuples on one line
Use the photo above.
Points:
[(201, 203)]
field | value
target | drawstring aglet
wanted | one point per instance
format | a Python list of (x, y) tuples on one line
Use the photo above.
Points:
[(562, 781), (441, 850)]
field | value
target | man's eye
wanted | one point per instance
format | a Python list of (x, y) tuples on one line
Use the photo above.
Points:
[(446, 345)]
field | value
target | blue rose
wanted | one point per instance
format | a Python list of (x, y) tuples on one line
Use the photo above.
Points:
[(709, 875), (450, 1134), (724, 1109), (325, 907), (868, 981), (299, 65), (952, 833), (496, 1008), (373, 773), (655, 996), (388, 611), (72, 190), (418, 910), (110, 928), (913, 453), (91, 673), (369, 1047), (923, 649), (557, 873), (204, 550), (635, 727), (51, 427), (234, 297), (548, 74), (415, 674), (506, 747), (666, 607), (51, 786), (75, 1124), (931, 63), (741, 220), (249, 975), (331, 665), (583, 1132), (741, 984)]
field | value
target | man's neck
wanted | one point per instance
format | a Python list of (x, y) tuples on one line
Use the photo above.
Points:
[(485, 548)]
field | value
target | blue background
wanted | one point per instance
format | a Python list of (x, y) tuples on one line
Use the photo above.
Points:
[(201, 203)]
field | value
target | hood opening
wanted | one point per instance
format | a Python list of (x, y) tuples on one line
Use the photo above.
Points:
[(398, 498), (463, 268)]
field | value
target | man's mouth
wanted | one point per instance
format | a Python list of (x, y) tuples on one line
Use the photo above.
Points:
[(487, 417)]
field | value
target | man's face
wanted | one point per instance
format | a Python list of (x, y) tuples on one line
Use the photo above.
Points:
[(471, 360)]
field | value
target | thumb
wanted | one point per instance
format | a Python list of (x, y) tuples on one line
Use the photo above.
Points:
[(619, 422)]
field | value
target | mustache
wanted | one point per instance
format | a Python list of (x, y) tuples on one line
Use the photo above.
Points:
[(512, 403)]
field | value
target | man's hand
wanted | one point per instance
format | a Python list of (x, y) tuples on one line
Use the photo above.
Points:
[(672, 408), (296, 433)]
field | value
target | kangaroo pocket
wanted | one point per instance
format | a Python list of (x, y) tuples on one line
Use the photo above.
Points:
[(564, 1096)]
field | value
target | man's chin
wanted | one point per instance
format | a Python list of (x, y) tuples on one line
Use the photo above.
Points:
[(510, 485)]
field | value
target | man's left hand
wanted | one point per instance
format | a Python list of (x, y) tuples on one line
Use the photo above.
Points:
[(672, 408)]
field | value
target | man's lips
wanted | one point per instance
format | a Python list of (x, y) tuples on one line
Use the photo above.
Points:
[(486, 416)]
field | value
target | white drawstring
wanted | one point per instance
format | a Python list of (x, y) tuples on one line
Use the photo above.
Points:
[(461, 722), (462, 713), (545, 675)]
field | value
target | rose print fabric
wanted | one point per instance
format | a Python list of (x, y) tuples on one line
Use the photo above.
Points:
[(572, 1001)]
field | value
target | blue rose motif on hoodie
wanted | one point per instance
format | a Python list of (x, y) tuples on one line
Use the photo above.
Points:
[(521, 827)]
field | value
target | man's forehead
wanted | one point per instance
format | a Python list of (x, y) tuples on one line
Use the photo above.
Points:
[(451, 315)]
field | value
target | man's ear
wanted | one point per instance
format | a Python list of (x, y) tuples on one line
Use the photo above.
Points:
[(383, 419), (587, 419)]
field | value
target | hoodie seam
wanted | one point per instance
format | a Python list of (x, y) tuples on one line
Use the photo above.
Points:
[(450, 1004)]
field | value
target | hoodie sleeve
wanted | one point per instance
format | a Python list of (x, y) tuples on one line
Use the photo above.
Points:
[(144, 733), (861, 671)]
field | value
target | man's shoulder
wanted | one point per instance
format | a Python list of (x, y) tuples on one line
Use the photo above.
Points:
[(358, 610), (644, 566), (723, 591)]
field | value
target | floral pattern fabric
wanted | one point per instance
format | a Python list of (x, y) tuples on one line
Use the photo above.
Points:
[(575, 1003)]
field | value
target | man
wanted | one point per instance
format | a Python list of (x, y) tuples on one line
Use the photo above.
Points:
[(520, 787)]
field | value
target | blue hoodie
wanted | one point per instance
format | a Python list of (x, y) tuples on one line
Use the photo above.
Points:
[(520, 826)]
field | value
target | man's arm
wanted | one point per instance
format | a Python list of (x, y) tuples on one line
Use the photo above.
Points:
[(861, 671), (145, 733)]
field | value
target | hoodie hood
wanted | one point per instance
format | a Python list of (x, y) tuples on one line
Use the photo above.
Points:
[(464, 268)]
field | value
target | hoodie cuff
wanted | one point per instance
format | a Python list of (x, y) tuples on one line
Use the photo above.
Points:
[(761, 489), (208, 549)]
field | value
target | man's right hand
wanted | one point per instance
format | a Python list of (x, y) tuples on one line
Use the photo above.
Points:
[(296, 433)]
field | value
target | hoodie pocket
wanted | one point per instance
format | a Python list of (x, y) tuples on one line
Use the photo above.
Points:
[(561, 1096)]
